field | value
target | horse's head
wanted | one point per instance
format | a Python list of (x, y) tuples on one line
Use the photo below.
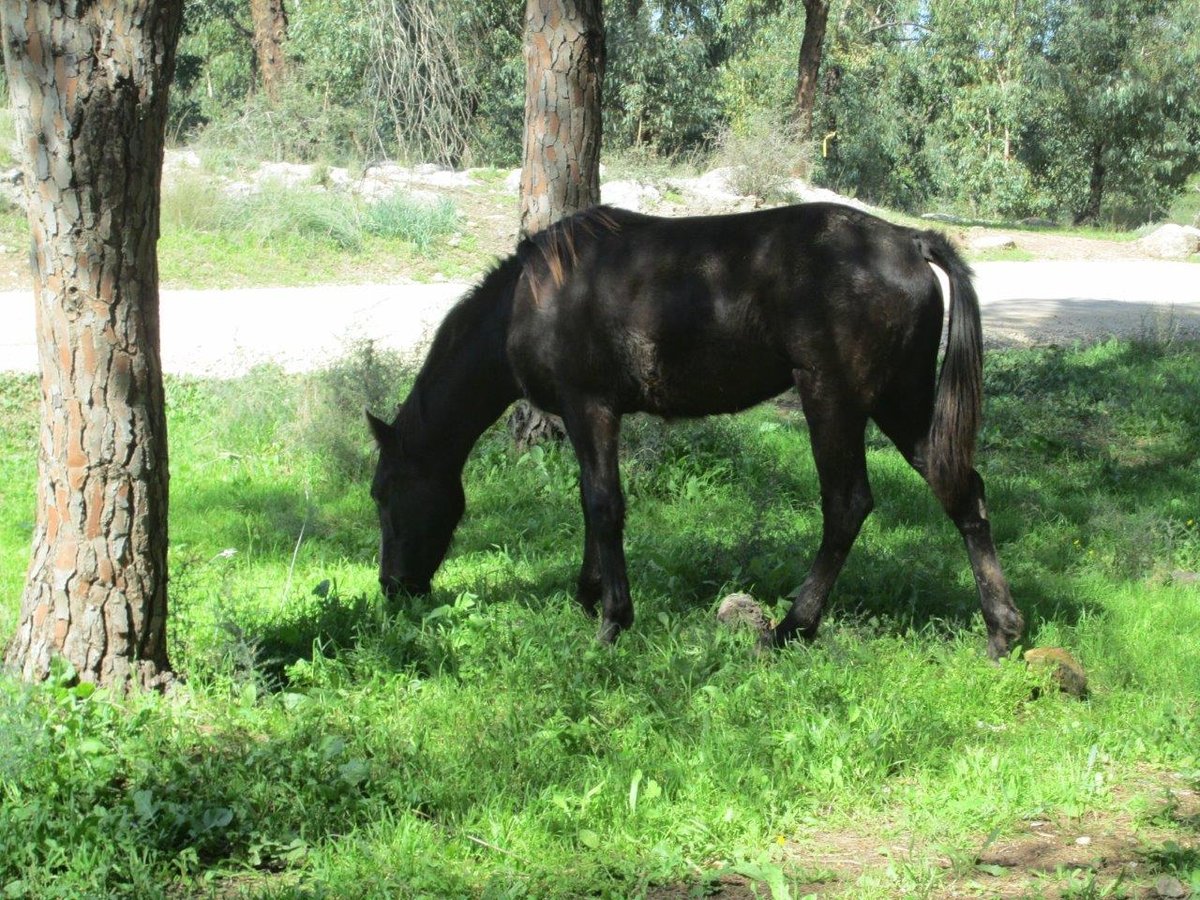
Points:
[(419, 506)]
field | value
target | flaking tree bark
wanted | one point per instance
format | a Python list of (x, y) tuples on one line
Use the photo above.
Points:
[(270, 34), (564, 72), (89, 95), (808, 70)]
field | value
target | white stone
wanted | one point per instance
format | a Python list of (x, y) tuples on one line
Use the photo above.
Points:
[(629, 195), (982, 243), (1171, 242)]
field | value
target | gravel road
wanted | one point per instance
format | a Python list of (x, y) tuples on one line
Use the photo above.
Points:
[(223, 333)]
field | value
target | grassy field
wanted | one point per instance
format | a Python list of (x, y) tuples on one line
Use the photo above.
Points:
[(479, 743)]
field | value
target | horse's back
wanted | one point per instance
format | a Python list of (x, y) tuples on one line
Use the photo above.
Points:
[(712, 314)]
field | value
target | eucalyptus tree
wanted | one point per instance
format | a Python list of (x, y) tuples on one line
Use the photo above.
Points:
[(1117, 109)]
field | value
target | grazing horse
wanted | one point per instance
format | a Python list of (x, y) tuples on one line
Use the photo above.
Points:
[(610, 312)]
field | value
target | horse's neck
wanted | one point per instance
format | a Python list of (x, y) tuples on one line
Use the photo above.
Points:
[(457, 395)]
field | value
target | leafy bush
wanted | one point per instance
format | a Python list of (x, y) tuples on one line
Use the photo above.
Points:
[(766, 155), (276, 211)]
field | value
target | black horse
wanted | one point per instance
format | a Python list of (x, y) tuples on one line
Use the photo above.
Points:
[(610, 312)]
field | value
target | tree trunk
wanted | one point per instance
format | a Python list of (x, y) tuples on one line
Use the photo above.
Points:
[(816, 17), (270, 32), (1090, 214), (89, 95), (564, 70)]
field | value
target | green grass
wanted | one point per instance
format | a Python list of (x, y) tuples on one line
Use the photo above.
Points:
[(293, 236), (479, 743)]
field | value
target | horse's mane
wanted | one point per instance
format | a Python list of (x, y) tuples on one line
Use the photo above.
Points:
[(492, 295), (553, 251)]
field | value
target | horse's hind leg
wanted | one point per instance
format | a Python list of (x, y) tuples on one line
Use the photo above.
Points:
[(837, 432), (594, 430), (968, 510)]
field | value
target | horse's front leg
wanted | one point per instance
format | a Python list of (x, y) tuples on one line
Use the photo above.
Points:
[(594, 429)]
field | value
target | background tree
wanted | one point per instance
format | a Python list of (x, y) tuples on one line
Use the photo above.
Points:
[(661, 75), (89, 95), (1117, 110), (564, 65), (982, 107), (270, 33), (816, 18)]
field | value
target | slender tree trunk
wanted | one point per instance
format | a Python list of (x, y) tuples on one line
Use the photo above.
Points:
[(89, 95), (1090, 214), (564, 71), (816, 17), (270, 33)]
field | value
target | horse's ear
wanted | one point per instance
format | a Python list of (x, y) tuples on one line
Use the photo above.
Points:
[(384, 435)]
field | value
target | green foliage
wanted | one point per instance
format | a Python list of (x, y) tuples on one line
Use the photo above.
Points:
[(1057, 109), (301, 125), (478, 741), (495, 74), (990, 108), (1117, 122), (330, 419), (328, 41), (661, 75)]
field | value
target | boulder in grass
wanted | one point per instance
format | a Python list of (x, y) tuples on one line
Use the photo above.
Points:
[(739, 611), (1067, 673)]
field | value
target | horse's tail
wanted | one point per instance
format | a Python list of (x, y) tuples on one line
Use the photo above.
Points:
[(958, 404)]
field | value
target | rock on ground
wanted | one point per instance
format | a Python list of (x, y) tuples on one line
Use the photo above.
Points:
[(1172, 242), (1063, 667), (739, 611)]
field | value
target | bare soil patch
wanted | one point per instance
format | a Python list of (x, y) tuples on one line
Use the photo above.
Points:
[(1052, 245), (1144, 847)]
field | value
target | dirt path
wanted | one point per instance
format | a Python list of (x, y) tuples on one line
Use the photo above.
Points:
[(224, 333)]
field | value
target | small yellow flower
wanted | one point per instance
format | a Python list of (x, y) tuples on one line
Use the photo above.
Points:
[(781, 840)]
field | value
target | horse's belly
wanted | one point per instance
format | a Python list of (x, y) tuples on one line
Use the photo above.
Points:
[(704, 378)]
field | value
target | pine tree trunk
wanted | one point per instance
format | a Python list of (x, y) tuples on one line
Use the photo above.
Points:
[(816, 18), (89, 95), (564, 71), (270, 33), (564, 68)]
